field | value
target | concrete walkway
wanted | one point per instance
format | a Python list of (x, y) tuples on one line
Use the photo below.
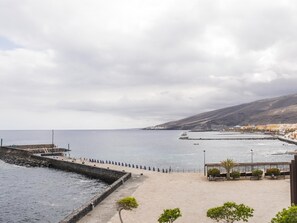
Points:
[(192, 193)]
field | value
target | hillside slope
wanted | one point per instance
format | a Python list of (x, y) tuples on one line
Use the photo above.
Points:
[(268, 111)]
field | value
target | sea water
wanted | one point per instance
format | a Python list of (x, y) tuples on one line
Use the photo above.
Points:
[(42, 194), (156, 148)]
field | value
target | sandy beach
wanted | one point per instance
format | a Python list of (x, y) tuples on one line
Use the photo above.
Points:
[(193, 194)]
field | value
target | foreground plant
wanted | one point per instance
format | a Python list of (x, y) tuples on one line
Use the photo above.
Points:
[(230, 212), (228, 164), (286, 215), (169, 215), (127, 203)]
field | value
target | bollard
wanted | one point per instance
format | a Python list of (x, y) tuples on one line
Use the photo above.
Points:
[(136, 166), (132, 165), (149, 168), (140, 167), (144, 167), (153, 168), (158, 170)]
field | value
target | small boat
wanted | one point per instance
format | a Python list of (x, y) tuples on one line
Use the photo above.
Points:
[(184, 135), (196, 144)]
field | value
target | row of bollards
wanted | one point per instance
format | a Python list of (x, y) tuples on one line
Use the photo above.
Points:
[(142, 167)]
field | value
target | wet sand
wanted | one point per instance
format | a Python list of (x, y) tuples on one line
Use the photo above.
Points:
[(193, 194)]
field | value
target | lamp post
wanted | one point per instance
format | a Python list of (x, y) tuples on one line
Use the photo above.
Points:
[(252, 158), (204, 162)]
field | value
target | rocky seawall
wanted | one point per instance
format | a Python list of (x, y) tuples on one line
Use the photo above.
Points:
[(21, 158)]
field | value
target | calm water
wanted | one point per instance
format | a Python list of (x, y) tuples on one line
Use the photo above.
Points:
[(46, 195), (42, 194), (155, 148)]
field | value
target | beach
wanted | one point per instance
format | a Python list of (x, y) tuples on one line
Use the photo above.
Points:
[(192, 193)]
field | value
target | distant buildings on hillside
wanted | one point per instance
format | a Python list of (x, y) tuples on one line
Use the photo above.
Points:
[(287, 130)]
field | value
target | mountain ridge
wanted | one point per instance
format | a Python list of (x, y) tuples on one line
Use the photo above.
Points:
[(278, 110)]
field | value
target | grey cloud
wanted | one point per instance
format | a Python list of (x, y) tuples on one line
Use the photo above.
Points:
[(147, 60)]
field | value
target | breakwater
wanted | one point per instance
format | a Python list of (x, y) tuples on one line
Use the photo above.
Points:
[(114, 178), (107, 175), (244, 138), (20, 157), (291, 141)]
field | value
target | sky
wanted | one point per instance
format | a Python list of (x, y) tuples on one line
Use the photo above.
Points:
[(95, 64)]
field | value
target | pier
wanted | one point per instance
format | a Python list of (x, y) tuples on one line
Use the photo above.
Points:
[(291, 141), (243, 138)]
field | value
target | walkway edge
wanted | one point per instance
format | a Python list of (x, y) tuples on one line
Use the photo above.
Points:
[(77, 214)]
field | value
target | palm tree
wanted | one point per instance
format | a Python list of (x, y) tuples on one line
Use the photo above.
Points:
[(228, 164), (127, 203)]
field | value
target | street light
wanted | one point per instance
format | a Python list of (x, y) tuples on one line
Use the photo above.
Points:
[(252, 158), (204, 162)]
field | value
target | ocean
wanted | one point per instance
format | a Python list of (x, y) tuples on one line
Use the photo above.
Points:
[(47, 195)]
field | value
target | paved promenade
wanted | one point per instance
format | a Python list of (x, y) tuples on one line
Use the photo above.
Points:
[(192, 193)]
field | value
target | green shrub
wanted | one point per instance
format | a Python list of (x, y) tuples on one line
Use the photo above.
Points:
[(235, 174), (230, 212), (214, 172), (257, 173), (169, 215), (286, 215), (273, 171)]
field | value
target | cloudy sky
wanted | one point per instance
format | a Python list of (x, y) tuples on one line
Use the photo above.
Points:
[(97, 64)]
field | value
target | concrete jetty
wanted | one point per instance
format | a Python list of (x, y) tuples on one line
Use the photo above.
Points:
[(291, 141), (243, 138)]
